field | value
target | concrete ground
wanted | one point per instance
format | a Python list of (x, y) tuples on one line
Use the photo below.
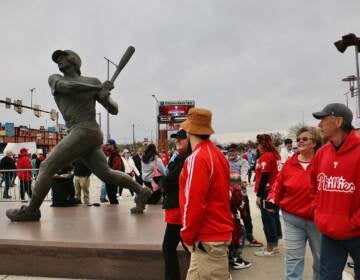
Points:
[(262, 267)]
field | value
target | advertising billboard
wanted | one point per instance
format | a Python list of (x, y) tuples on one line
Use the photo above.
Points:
[(174, 111), (9, 129)]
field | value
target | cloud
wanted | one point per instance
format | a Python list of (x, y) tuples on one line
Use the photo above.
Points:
[(256, 64)]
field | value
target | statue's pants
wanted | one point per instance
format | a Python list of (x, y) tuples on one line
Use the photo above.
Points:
[(83, 143)]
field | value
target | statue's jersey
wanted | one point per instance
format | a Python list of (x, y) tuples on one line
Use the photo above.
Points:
[(77, 108)]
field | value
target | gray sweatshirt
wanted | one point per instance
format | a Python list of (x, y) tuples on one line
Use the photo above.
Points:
[(148, 169)]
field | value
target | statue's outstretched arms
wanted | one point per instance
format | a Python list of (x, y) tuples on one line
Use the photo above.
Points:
[(60, 85), (109, 104)]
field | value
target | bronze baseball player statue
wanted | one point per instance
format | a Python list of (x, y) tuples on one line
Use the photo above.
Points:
[(76, 96)]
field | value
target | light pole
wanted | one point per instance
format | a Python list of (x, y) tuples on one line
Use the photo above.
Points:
[(341, 45), (133, 135), (351, 80), (157, 121), (31, 96), (108, 61)]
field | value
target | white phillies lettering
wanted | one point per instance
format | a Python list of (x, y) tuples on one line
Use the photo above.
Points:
[(263, 164), (335, 164), (334, 184)]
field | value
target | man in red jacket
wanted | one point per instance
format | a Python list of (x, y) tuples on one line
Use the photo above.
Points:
[(115, 162), (204, 198), (24, 166), (336, 174)]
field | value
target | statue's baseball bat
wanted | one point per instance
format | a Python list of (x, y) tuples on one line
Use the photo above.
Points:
[(123, 61)]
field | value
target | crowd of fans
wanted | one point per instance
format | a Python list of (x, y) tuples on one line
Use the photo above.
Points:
[(203, 189)]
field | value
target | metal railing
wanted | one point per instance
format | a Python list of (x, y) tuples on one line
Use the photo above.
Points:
[(12, 189)]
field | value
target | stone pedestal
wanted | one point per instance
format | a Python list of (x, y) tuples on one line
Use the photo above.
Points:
[(103, 242)]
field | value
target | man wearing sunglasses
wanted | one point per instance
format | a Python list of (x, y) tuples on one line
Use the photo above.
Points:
[(337, 178)]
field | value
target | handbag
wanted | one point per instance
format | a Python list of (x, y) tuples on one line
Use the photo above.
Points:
[(156, 177)]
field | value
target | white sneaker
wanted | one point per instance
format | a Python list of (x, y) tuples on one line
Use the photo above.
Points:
[(265, 253), (239, 263), (120, 197)]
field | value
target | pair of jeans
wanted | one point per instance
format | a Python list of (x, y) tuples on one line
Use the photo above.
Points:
[(271, 226), (8, 182), (25, 187), (169, 246), (246, 217), (111, 191), (121, 188), (297, 232), (102, 191), (334, 254)]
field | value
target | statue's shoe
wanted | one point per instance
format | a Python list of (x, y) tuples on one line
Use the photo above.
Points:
[(141, 200), (23, 214)]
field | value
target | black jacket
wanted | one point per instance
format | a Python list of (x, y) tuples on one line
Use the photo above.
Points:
[(80, 169), (170, 183), (7, 163), (137, 160)]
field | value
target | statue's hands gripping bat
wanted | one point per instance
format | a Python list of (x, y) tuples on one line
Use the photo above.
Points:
[(109, 85)]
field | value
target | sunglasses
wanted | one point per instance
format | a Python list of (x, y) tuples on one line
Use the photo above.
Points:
[(304, 139)]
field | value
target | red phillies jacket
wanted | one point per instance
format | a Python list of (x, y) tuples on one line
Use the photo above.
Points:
[(266, 163), (24, 162), (293, 190), (204, 196), (337, 177)]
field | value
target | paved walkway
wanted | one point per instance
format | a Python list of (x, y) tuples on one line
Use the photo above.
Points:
[(262, 267)]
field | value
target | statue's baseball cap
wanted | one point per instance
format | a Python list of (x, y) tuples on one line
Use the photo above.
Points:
[(181, 134), (336, 110), (75, 58)]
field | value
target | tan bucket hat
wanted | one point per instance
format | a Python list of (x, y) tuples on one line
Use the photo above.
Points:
[(198, 122)]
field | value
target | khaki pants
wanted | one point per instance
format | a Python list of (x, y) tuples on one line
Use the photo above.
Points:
[(210, 265), (82, 183)]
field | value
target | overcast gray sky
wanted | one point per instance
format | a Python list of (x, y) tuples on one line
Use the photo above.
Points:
[(257, 65)]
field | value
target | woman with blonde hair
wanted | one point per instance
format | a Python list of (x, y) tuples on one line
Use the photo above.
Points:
[(294, 193)]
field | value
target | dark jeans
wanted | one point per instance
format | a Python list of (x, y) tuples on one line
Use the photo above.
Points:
[(271, 226), (111, 192), (170, 243), (334, 255), (8, 176), (121, 188), (139, 179), (25, 187), (155, 196), (246, 217)]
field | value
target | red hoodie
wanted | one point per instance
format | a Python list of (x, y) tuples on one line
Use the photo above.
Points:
[(293, 190), (266, 163), (204, 196), (24, 162), (337, 177)]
